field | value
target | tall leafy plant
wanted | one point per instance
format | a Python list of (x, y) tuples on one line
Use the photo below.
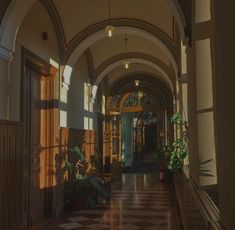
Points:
[(179, 148), (172, 155)]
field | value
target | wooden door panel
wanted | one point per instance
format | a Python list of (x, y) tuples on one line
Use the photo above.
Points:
[(39, 140), (37, 199), (26, 152)]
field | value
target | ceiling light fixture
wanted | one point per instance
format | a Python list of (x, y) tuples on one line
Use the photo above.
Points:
[(137, 83), (140, 94), (109, 29), (126, 62)]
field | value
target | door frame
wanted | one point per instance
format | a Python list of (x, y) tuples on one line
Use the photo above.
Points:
[(40, 66)]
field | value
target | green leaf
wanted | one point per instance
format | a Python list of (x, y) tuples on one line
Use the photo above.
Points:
[(176, 118), (69, 166), (80, 155)]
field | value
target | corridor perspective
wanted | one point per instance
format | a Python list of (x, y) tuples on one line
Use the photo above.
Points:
[(138, 201), (117, 114)]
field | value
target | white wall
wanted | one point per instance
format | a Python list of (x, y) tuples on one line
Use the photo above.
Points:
[(75, 109)]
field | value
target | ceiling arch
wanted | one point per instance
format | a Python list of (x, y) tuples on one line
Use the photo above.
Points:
[(115, 64), (155, 92), (13, 17), (74, 51), (130, 77), (148, 82), (17, 10), (158, 64), (156, 99), (109, 47), (155, 12), (120, 24), (179, 16), (121, 30)]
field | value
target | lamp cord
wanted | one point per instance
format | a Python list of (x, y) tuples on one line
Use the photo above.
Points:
[(126, 46), (109, 2)]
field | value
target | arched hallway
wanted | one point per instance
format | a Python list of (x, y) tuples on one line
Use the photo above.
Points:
[(138, 202), (92, 89)]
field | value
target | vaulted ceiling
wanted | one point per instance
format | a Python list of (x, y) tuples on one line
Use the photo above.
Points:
[(150, 26), (79, 14)]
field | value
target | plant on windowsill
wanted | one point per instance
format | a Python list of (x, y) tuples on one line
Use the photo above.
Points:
[(87, 187)]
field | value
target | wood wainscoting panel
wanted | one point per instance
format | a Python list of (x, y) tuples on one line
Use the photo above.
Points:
[(11, 174)]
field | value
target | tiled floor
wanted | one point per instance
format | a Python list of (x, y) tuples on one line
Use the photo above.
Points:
[(138, 202)]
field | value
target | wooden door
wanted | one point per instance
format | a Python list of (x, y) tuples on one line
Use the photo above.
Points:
[(100, 138), (33, 196), (39, 137), (47, 136), (36, 193)]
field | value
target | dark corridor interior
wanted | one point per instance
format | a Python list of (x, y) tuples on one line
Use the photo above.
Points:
[(150, 138)]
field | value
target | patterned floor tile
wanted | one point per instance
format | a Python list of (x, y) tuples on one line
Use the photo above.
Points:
[(68, 226), (98, 226), (78, 219), (130, 220), (128, 227), (149, 206), (101, 220)]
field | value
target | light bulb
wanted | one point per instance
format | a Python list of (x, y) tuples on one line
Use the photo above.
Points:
[(126, 64), (110, 34), (140, 94), (109, 29), (137, 83)]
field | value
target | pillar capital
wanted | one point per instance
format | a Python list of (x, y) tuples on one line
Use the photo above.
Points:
[(5, 53)]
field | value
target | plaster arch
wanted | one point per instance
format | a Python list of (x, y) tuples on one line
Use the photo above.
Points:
[(179, 16), (152, 82), (137, 55), (140, 75), (10, 24), (138, 60), (101, 34), (17, 10)]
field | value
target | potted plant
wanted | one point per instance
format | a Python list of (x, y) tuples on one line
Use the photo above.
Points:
[(87, 187), (170, 157), (162, 157), (179, 148)]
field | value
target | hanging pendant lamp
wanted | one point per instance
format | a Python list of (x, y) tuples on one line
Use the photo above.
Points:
[(137, 83), (109, 29), (126, 62)]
